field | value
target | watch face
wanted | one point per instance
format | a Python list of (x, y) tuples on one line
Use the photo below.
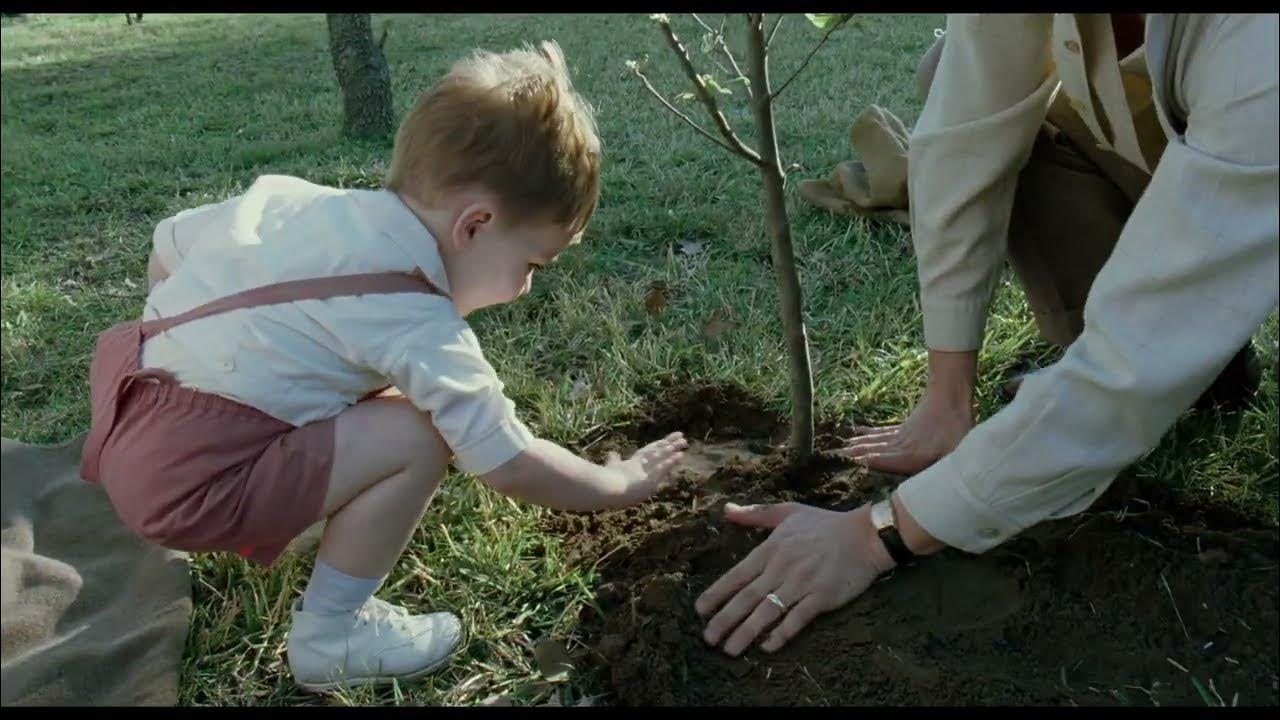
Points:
[(882, 515)]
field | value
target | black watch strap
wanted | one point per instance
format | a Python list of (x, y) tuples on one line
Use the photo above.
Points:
[(897, 549), (882, 517)]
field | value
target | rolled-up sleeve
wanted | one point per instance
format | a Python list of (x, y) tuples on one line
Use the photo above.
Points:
[(1193, 275), (440, 368), (989, 97)]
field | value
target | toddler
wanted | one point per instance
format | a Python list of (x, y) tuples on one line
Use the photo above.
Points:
[(304, 355)]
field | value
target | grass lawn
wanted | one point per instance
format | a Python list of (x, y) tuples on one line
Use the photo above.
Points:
[(109, 128)]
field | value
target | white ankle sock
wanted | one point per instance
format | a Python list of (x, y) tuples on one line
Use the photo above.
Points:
[(332, 591)]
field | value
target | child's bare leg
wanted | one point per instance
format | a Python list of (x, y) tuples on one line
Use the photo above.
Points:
[(388, 461)]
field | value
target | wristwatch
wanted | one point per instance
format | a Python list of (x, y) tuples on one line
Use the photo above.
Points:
[(883, 520)]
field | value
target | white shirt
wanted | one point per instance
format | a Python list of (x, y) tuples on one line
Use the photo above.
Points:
[(306, 361)]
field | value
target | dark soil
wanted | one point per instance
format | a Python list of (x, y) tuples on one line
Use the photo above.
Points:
[(1089, 610)]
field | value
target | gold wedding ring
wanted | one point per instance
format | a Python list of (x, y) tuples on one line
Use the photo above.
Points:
[(776, 601)]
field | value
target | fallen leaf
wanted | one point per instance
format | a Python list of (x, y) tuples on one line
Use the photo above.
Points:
[(719, 324), (656, 300), (552, 659), (718, 327), (691, 247), (580, 388)]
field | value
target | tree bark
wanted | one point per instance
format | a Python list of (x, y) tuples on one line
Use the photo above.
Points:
[(779, 225), (363, 75)]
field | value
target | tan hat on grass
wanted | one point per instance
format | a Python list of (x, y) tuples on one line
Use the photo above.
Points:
[(875, 185)]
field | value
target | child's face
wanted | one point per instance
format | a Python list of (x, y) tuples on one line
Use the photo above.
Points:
[(495, 264)]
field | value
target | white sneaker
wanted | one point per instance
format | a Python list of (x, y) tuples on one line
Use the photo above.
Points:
[(378, 643)]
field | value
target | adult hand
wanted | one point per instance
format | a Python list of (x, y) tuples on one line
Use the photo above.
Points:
[(936, 426), (814, 561), (931, 432)]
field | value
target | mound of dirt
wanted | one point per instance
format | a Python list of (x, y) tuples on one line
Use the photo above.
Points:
[(1109, 607)]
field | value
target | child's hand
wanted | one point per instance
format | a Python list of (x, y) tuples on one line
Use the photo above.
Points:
[(651, 465)]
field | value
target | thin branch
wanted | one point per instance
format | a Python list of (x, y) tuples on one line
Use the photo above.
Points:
[(719, 36), (809, 57), (679, 114), (768, 43), (704, 94), (720, 66)]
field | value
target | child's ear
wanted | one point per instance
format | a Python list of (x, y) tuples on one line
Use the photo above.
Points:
[(473, 220)]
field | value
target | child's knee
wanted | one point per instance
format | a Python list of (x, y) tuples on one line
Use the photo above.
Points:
[(429, 452)]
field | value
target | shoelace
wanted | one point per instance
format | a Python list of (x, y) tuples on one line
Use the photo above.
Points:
[(382, 608), (381, 614)]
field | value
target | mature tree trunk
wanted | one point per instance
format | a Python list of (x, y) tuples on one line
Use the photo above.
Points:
[(784, 264), (363, 75)]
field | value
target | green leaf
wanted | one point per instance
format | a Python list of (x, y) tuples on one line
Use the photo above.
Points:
[(685, 96), (826, 21), (715, 86), (638, 65), (708, 43), (1204, 694)]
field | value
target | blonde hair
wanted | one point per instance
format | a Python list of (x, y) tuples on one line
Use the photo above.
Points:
[(512, 124)]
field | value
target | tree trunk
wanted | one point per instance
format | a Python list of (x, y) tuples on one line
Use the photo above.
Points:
[(363, 76), (784, 265)]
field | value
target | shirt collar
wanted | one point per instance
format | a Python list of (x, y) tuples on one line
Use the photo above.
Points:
[(388, 213)]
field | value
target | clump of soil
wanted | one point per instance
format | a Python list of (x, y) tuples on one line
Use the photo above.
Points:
[(1109, 607)]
